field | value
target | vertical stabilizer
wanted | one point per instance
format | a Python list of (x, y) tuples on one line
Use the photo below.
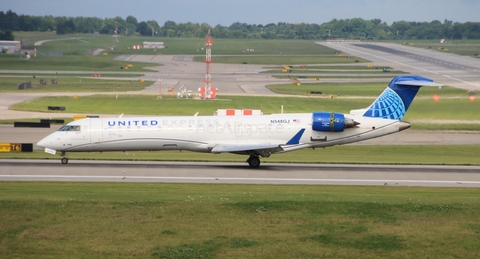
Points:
[(393, 103)]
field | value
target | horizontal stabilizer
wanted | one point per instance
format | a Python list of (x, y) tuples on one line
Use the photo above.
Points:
[(418, 83)]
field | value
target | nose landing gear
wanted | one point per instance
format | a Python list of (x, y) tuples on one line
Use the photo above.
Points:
[(64, 159)]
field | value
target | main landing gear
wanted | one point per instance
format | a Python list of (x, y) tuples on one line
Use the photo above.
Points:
[(64, 158), (253, 161)]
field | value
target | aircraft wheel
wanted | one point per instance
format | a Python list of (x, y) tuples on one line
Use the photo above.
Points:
[(253, 161), (64, 160)]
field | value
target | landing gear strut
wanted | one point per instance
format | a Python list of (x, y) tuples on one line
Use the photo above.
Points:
[(253, 161), (64, 158)]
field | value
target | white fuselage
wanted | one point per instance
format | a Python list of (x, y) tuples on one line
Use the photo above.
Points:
[(202, 133)]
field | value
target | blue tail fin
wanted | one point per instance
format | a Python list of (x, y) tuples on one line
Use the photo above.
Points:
[(393, 103)]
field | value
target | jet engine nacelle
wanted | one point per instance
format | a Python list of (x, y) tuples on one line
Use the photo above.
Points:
[(331, 122)]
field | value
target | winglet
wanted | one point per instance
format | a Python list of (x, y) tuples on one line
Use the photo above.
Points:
[(296, 139)]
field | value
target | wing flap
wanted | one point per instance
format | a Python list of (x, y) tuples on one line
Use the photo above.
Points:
[(223, 148), (264, 149)]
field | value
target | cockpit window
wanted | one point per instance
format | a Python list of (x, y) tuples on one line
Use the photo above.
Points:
[(69, 128)]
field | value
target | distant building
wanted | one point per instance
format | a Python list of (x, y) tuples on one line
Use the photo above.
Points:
[(9, 46), (153, 45)]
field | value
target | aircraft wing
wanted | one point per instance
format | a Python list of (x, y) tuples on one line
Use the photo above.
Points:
[(259, 148), (232, 148)]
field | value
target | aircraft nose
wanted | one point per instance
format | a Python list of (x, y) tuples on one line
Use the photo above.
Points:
[(46, 142), (42, 143)]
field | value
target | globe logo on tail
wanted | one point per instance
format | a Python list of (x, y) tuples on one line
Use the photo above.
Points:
[(389, 105)]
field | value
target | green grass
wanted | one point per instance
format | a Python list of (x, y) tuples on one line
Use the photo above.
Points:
[(340, 70), (316, 77), (334, 67), (350, 154), (189, 46), (362, 89), (34, 36), (70, 63), (450, 109), (112, 220), (28, 74), (71, 84), (446, 126), (149, 105), (196, 46)]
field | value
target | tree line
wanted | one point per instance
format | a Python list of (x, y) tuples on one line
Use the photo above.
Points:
[(355, 28)]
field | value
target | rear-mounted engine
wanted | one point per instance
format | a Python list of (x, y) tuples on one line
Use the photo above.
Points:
[(331, 122)]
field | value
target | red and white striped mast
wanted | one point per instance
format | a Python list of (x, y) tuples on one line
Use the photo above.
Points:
[(208, 60)]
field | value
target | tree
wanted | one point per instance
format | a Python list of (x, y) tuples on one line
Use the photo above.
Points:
[(342, 28), (46, 23), (8, 21), (25, 23), (7, 35), (65, 25), (108, 26), (131, 20), (400, 28), (131, 24), (376, 21), (143, 29)]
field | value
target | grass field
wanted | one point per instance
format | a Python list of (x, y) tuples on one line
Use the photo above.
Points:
[(83, 44), (112, 220), (73, 84), (186, 46), (361, 89), (70, 63), (320, 70), (29, 74)]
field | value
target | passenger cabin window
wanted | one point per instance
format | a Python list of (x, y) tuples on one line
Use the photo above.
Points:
[(70, 128)]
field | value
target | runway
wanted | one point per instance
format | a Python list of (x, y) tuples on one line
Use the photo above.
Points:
[(239, 173)]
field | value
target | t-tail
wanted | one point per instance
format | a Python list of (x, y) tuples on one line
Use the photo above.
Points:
[(393, 103)]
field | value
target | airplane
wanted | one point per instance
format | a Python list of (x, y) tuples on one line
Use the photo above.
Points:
[(255, 136)]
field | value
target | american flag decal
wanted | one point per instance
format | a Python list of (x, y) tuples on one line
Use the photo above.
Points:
[(296, 121)]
